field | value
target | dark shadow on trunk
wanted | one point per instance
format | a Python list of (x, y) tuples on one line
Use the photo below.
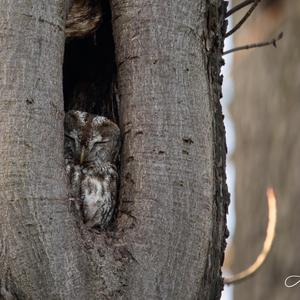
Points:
[(89, 71)]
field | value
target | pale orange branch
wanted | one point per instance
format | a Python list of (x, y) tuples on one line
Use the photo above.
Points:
[(267, 243)]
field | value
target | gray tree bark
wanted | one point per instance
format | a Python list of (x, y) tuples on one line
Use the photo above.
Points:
[(168, 105), (170, 229), (266, 112)]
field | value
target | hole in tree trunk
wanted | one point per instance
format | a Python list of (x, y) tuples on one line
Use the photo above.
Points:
[(89, 71)]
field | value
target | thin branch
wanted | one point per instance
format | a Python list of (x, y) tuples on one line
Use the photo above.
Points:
[(238, 7), (267, 243), (256, 45), (243, 20)]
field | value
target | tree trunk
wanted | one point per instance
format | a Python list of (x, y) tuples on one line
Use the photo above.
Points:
[(174, 211), (169, 234), (266, 112), (41, 257)]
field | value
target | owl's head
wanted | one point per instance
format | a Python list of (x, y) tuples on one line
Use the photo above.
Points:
[(90, 139)]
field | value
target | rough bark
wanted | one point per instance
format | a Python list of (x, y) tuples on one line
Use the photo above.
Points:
[(169, 236), (266, 112), (173, 195), (43, 254)]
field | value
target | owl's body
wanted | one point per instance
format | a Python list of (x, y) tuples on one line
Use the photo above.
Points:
[(91, 148), (99, 183)]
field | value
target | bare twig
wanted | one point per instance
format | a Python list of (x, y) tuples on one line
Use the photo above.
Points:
[(238, 7), (256, 45), (243, 20), (267, 244)]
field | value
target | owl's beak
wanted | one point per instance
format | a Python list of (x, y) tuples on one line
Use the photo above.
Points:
[(82, 155)]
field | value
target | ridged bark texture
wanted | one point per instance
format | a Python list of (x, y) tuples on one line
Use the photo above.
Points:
[(173, 195)]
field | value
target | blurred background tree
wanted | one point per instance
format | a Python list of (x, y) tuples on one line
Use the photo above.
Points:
[(266, 113)]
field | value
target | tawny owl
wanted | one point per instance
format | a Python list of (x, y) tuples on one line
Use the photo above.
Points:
[(91, 147)]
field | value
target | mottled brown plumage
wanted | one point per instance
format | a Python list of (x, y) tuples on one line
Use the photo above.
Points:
[(91, 147)]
